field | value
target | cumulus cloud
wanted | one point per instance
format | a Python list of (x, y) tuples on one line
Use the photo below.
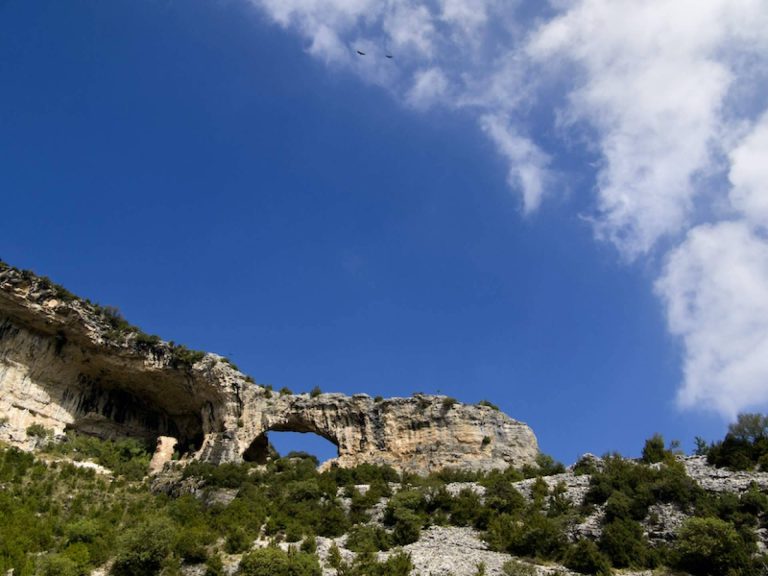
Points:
[(670, 98), (715, 287), (654, 76)]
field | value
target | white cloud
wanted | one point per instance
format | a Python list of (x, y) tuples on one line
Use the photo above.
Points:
[(429, 87), (749, 174), (527, 163), (650, 83), (466, 15), (323, 22), (409, 26), (327, 46), (715, 287)]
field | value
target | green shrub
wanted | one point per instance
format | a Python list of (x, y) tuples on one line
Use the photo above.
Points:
[(294, 533), (183, 357), (334, 556), (406, 528), (501, 496), (585, 465), (315, 392), (532, 535), (517, 568), (309, 544), (711, 547), (466, 508), (585, 558), (702, 448), (39, 431), (545, 466), (745, 445), (227, 475), (753, 501), (398, 564), (143, 548), (488, 404), (625, 544), (238, 540), (749, 427), (449, 403), (368, 539), (275, 562), (191, 543), (128, 457), (214, 566), (618, 507), (365, 564), (57, 565), (640, 486), (654, 450), (331, 521), (285, 391), (147, 340), (113, 317)]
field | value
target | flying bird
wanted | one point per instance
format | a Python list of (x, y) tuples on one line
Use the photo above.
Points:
[(388, 56), (361, 53)]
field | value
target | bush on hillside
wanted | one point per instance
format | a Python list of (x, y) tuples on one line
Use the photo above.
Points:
[(654, 450), (142, 549), (584, 557), (711, 547), (745, 445), (276, 562)]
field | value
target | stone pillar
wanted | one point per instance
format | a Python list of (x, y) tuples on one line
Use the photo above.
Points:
[(163, 453)]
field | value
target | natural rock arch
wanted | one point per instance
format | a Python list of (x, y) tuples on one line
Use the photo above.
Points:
[(63, 366), (417, 434)]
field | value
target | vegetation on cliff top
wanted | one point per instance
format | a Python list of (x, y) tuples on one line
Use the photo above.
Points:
[(117, 329)]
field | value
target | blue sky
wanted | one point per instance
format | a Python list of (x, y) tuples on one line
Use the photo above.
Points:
[(486, 215)]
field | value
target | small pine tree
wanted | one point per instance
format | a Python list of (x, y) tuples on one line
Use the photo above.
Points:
[(654, 450), (334, 556)]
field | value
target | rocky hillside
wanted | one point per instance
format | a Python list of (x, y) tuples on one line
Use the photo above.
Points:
[(68, 364), (66, 515)]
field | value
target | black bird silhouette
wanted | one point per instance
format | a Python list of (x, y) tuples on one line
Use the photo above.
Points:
[(388, 56), (361, 53)]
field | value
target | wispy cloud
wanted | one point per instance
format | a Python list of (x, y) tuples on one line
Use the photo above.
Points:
[(430, 86), (670, 95), (527, 163)]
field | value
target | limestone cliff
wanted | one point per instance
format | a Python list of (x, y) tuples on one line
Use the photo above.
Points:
[(68, 364)]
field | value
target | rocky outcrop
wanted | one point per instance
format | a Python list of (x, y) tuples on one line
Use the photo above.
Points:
[(164, 450), (721, 479), (70, 365)]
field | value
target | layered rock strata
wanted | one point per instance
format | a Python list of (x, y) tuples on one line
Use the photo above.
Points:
[(70, 365)]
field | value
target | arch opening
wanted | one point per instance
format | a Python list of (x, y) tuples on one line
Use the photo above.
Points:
[(275, 444)]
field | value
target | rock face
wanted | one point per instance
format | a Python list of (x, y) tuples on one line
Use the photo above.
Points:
[(69, 365)]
